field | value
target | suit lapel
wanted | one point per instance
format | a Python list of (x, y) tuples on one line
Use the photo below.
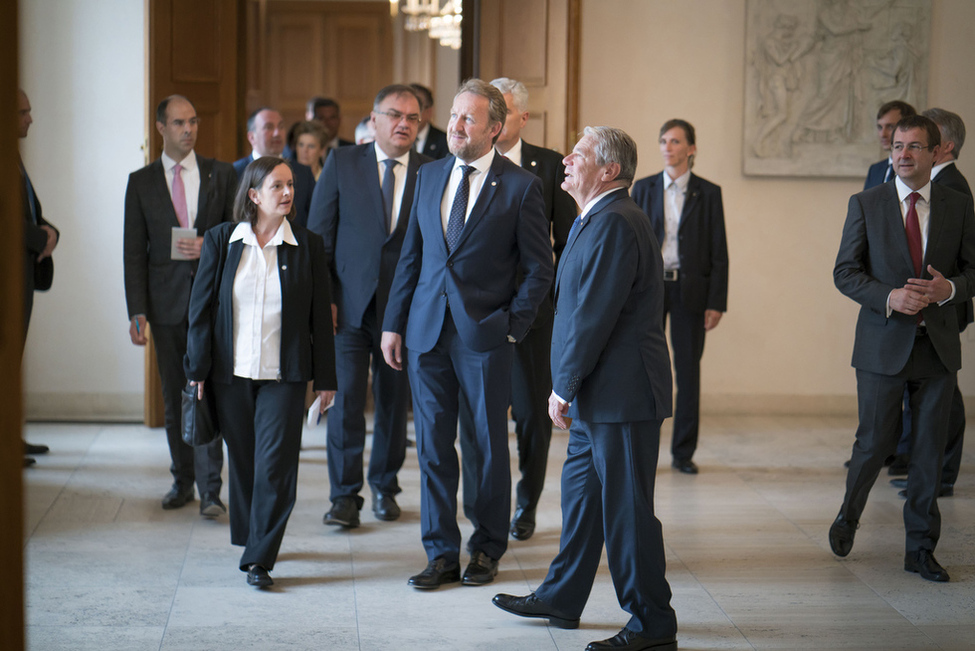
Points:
[(407, 204), (657, 208), (936, 222), (574, 237), (690, 199), (435, 190), (205, 166), (529, 159), (491, 184), (370, 171), (161, 192), (892, 212)]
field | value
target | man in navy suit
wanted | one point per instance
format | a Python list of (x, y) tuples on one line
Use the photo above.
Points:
[(265, 133), (888, 115), (531, 378), (430, 141), (687, 217), (611, 389), (360, 207), (157, 286), (907, 256), (477, 226), (40, 238)]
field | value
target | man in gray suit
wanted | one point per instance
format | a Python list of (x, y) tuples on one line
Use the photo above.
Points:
[(908, 258), (180, 189), (612, 389)]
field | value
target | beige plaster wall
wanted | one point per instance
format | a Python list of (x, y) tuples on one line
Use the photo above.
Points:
[(786, 341)]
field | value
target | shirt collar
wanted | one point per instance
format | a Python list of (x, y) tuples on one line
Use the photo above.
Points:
[(482, 164), (903, 191), (514, 154), (188, 163), (424, 132), (681, 180), (382, 155), (255, 155), (594, 201), (937, 168), (245, 232)]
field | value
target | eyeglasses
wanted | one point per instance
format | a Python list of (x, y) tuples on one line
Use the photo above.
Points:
[(396, 116), (914, 147)]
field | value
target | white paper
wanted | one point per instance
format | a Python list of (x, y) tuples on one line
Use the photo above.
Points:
[(314, 412), (179, 234)]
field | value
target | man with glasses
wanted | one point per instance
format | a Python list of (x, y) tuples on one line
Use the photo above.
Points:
[(907, 256), (361, 206)]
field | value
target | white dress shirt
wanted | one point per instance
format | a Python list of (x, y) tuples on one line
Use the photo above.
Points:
[(399, 174), (937, 168), (675, 190), (421, 138), (257, 303), (191, 182), (475, 179), (514, 154)]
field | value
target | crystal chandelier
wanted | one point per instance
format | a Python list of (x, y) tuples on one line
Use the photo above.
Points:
[(443, 23)]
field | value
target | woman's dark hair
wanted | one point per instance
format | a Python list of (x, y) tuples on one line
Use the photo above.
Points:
[(245, 210), (306, 128)]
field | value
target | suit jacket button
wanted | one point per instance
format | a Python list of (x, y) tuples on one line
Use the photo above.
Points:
[(450, 265)]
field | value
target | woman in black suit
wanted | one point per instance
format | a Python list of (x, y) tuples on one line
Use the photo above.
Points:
[(260, 328)]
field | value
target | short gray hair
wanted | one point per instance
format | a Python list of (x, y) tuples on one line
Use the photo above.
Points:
[(611, 145), (951, 126), (519, 94), (497, 109)]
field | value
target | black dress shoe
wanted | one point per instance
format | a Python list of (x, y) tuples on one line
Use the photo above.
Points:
[(258, 577), (899, 467), (532, 606), (922, 561), (627, 640), (211, 506), (841, 535), (177, 498), (30, 448), (29, 461), (344, 513), (523, 525), (687, 466), (481, 570), (384, 507), (438, 572), (899, 482), (947, 490)]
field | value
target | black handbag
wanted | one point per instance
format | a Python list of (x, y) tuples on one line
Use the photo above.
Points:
[(199, 417)]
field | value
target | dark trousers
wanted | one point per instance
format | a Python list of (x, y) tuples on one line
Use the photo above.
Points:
[(956, 436), (687, 340), (879, 397), (440, 378), (261, 421), (607, 496), (356, 349), (202, 464), (531, 385)]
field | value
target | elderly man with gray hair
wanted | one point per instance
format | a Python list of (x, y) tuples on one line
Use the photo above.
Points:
[(611, 389)]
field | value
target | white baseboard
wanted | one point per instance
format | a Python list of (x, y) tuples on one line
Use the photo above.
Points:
[(84, 407)]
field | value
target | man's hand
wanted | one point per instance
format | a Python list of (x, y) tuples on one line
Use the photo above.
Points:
[(327, 397), (392, 347), (190, 247), (935, 290), (711, 319), (137, 330), (199, 388), (52, 241), (908, 300), (557, 410)]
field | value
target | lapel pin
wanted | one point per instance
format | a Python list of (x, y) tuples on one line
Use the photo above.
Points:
[(534, 163), (493, 183), (283, 267)]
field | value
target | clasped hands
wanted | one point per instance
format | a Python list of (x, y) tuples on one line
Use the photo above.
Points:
[(918, 293)]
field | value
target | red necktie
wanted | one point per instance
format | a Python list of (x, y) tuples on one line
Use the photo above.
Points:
[(913, 229), (179, 197)]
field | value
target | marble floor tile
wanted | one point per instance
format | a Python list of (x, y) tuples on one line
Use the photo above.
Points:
[(748, 558)]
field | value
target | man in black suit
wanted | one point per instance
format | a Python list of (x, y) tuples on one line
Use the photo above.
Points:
[(531, 378), (907, 256), (888, 115), (360, 207), (687, 217), (430, 141), (327, 112), (40, 238), (612, 389), (179, 190), (457, 307), (265, 133)]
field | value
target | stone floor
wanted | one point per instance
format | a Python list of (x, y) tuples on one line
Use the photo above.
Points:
[(747, 556)]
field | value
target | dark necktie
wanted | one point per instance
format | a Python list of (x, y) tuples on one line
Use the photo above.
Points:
[(31, 197), (458, 211), (887, 175), (913, 228), (389, 184), (575, 227)]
